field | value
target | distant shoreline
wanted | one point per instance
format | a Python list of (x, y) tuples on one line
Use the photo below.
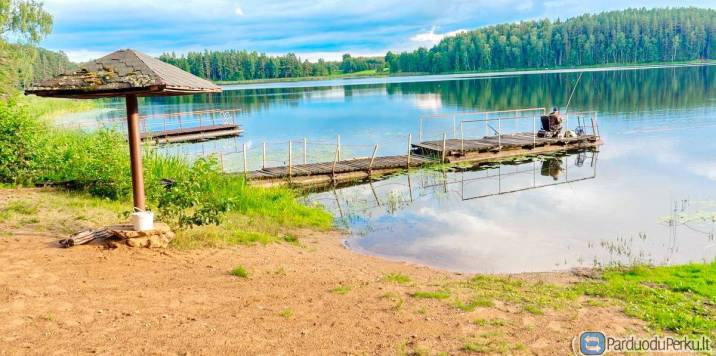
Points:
[(363, 75), (418, 77)]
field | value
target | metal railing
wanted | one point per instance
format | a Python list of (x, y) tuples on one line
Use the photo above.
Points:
[(461, 114), (163, 122), (245, 157), (580, 129)]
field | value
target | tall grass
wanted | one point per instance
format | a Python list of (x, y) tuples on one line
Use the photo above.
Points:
[(46, 109)]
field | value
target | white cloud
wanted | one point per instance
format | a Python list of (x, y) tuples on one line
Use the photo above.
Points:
[(431, 37), (239, 11), (704, 169), (84, 55)]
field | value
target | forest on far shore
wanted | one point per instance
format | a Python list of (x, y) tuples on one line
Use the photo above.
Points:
[(615, 37), (629, 36)]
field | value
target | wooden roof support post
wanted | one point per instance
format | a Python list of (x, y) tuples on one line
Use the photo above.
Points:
[(135, 152), (125, 73)]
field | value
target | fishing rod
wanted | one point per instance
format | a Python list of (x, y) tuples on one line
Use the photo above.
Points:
[(571, 95)]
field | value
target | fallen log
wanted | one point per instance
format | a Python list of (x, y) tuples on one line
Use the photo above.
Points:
[(84, 237)]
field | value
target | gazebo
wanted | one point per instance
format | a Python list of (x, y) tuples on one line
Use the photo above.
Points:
[(130, 74)]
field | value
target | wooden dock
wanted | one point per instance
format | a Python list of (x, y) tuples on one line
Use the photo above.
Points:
[(192, 134), (486, 149), (475, 150)]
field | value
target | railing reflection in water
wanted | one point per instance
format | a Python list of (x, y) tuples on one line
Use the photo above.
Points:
[(394, 193)]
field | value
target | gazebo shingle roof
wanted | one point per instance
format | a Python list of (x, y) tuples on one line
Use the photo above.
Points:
[(121, 73)]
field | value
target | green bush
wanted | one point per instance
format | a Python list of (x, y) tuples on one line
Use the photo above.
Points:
[(192, 195), (20, 141), (96, 162)]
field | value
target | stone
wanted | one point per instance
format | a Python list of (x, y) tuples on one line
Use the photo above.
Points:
[(159, 237), (138, 242)]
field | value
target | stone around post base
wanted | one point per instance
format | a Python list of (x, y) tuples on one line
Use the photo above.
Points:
[(157, 238)]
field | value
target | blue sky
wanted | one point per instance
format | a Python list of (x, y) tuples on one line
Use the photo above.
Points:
[(87, 29)]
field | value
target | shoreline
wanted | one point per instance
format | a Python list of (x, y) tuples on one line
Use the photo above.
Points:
[(415, 77), (295, 300), (294, 297)]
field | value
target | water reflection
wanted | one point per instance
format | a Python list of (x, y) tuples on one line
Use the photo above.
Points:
[(540, 214), (607, 92)]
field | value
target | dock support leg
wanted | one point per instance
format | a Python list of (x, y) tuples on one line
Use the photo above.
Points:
[(246, 162), (534, 131), (442, 159), (338, 146), (410, 148), (290, 144), (499, 133), (462, 138), (263, 156), (594, 130), (333, 170), (372, 159)]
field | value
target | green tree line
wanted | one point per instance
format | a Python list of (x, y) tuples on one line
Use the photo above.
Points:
[(26, 23), (48, 64), (616, 37), (232, 65)]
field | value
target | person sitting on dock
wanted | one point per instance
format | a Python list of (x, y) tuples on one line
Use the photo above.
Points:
[(551, 124)]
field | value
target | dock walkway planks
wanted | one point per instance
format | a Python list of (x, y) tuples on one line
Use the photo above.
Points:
[(344, 166), (195, 133), (428, 152), (490, 143)]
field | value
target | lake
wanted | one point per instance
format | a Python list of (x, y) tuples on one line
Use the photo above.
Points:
[(647, 195)]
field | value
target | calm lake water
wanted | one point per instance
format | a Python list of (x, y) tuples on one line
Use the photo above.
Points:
[(648, 194)]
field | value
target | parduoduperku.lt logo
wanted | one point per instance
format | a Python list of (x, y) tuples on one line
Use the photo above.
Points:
[(592, 343), (597, 343)]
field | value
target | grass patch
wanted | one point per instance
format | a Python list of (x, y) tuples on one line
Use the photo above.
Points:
[(398, 278), (493, 342), (490, 322), (46, 210), (286, 313), (17, 207), (341, 290), (474, 303), (474, 347), (440, 294), (20, 207), (532, 297), (291, 239), (239, 271), (681, 299)]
